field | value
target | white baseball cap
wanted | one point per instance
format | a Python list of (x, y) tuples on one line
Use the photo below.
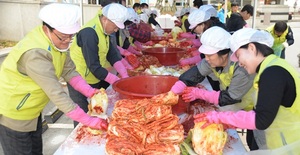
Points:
[(177, 13), (214, 40), (184, 11), (62, 17), (154, 12), (133, 16), (196, 17), (117, 13), (248, 35), (209, 8)]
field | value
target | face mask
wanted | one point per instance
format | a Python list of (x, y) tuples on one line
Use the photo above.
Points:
[(60, 50), (139, 11)]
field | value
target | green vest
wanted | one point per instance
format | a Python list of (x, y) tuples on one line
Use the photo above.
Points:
[(184, 18), (225, 80), (21, 97), (287, 121), (103, 46), (277, 45)]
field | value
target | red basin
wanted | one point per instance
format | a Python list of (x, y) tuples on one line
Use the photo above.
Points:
[(147, 86), (167, 56)]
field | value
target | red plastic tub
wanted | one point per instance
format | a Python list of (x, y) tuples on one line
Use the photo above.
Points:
[(167, 56), (147, 86)]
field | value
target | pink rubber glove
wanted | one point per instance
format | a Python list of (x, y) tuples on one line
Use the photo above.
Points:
[(178, 87), (123, 51), (138, 45), (192, 93), (94, 122), (196, 42), (111, 78), (190, 61), (121, 69), (241, 119), (132, 50), (126, 64), (79, 84), (187, 35), (149, 43)]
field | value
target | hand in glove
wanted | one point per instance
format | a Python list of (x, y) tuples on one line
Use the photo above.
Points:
[(196, 43), (126, 64), (79, 84), (178, 87), (121, 69), (193, 93), (189, 61), (149, 43), (132, 50), (285, 44), (186, 35), (111, 78), (94, 122), (123, 51), (138, 45), (241, 119)]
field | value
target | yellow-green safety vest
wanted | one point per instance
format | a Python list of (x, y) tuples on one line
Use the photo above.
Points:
[(286, 125), (183, 19), (225, 80), (277, 45), (21, 97), (103, 46)]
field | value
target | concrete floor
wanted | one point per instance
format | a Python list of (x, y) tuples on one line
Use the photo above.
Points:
[(55, 135)]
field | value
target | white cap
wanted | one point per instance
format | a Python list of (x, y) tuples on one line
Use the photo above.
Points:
[(248, 35), (147, 12), (192, 9), (184, 11), (177, 13), (133, 16), (117, 13), (214, 40), (209, 8), (154, 12), (196, 17), (62, 17)]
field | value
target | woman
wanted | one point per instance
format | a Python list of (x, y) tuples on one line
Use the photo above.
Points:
[(29, 78), (275, 118), (235, 83)]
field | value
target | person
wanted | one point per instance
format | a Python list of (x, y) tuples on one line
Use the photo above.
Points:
[(213, 15), (184, 13), (275, 117), (234, 9), (30, 78), (197, 3), (152, 19), (221, 13), (137, 8), (238, 20), (283, 37), (235, 83), (144, 6), (94, 56)]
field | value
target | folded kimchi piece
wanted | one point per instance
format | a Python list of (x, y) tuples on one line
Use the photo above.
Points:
[(122, 146), (168, 98), (98, 104), (162, 149), (209, 140)]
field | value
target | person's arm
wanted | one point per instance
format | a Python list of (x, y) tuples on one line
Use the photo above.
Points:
[(290, 37), (192, 76), (37, 64), (276, 88), (87, 39)]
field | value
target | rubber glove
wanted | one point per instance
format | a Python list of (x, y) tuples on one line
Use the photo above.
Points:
[(111, 78), (121, 69), (196, 42), (126, 64), (192, 93), (123, 51), (178, 87), (79, 84), (241, 119), (132, 50), (285, 44), (189, 61), (149, 43), (186, 35), (138, 45), (94, 122)]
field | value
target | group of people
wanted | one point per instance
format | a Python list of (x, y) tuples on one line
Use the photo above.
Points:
[(255, 89)]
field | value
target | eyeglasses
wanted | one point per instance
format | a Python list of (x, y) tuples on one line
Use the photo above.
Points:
[(70, 37)]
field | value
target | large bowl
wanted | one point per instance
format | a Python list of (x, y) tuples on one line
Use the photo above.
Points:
[(157, 39), (167, 56), (147, 86)]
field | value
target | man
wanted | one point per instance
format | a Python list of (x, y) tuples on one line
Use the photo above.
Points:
[(29, 78), (234, 9), (238, 20), (94, 56), (283, 37)]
